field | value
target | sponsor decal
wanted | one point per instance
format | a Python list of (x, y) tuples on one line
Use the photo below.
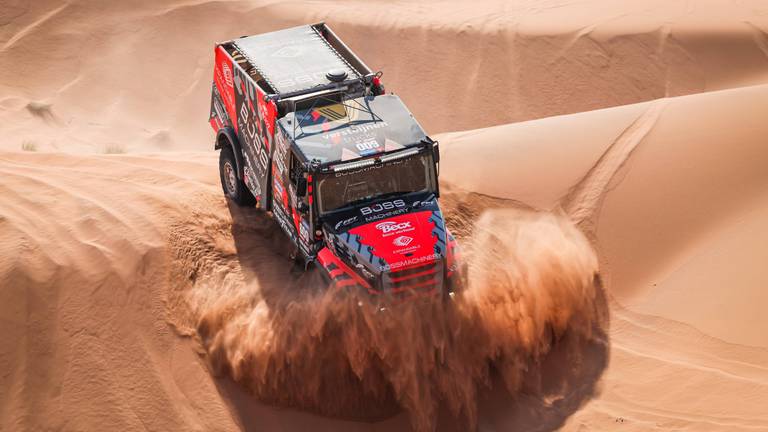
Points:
[(345, 222), (380, 207), (355, 130), (304, 230), (409, 262), (407, 250), (224, 83), (389, 227), (305, 248), (218, 111), (280, 164), (386, 215), (418, 204), (255, 123), (402, 241), (252, 132), (249, 179), (227, 74), (281, 153), (361, 170), (278, 187), (282, 143)]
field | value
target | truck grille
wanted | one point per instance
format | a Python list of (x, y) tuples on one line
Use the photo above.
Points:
[(417, 281)]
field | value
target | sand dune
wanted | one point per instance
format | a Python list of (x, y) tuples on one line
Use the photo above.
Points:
[(86, 343), (678, 223), (137, 77), (666, 177), (663, 186)]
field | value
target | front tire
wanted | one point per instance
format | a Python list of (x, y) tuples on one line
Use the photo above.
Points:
[(231, 179)]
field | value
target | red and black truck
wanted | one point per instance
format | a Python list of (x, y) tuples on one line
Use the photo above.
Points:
[(308, 134)]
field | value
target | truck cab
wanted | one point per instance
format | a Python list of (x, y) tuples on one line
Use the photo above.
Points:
[(307, 134)]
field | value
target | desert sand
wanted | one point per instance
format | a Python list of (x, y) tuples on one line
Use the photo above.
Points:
[(624, 137)]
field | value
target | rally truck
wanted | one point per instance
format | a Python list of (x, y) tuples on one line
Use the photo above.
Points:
[(307, 133)]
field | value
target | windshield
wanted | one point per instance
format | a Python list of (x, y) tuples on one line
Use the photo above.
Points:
[(343, 189)]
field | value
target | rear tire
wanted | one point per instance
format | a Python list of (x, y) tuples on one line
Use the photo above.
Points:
[(231, 179)]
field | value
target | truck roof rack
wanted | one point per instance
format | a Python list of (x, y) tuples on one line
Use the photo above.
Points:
[(301, 59)]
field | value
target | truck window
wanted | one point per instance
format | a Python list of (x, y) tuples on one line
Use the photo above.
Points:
[(340, 190)]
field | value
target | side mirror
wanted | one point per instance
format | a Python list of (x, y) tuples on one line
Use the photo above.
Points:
[(301, 186), (436, 152)]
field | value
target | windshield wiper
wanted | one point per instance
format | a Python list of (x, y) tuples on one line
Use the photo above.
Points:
[(350, 204), (391, 194), (356, 202)]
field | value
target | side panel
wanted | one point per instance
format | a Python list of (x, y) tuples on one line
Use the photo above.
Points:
[(223, 93), (255, 130)]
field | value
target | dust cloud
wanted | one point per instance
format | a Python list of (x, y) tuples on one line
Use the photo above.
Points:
[(292, 342)]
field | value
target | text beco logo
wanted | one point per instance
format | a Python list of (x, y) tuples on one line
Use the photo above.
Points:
[(388, 227)]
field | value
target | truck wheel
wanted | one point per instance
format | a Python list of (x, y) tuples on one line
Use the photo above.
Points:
[(234, 188)]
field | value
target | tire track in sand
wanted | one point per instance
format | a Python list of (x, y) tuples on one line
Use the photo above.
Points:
[(585, 198)]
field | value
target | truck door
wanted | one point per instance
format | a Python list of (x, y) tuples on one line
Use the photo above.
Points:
[(289, 193), (281, 202), (300, 211)]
